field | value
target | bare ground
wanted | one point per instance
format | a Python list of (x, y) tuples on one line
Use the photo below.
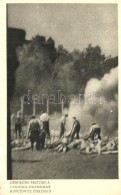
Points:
[(71, 165)]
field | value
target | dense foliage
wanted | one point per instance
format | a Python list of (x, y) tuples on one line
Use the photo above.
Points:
[(45, 69)]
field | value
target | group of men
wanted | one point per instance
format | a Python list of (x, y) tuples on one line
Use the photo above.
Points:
[(75, 128), (94, 132), (38, 129)]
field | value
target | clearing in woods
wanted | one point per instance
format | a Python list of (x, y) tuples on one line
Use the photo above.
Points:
[(45, 164)]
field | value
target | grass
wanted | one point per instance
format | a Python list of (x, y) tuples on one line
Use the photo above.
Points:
[(70, 165)]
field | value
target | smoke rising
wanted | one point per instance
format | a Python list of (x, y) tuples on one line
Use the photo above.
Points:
[(99, 104)]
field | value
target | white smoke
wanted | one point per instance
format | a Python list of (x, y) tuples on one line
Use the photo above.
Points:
[(99, 104)]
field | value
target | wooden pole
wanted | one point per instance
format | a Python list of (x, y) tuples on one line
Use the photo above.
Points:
[(62, 106), (34, 108), (48, 106), (22, 108)]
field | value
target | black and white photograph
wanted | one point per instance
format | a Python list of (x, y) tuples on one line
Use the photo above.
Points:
[(62, 91)]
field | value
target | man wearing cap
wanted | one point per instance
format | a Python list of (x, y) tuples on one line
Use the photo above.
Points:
[(95, 131), (62, 125), (75, 129)]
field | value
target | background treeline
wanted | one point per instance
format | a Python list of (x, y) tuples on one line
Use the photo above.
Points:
[(43, 68)]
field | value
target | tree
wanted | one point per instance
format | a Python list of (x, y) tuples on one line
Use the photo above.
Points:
[(47, 69), (36, 63)]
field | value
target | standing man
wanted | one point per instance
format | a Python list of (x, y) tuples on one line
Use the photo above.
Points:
[(18, 125), (62, 125), (95, 131), (75, 129), (44, 119), (34, 131)]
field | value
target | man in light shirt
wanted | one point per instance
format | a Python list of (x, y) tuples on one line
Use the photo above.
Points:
[(44, 119), (95, 131), (62, 125)]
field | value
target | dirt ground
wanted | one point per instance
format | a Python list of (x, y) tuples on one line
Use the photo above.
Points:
[(71, 165)]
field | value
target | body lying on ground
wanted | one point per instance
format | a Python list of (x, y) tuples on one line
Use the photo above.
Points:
[(96, 146)]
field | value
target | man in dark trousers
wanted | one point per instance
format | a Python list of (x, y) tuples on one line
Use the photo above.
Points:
[(41, 142), (18, 125), (62, 125), (34, 132), (95, 131), (75, 129)]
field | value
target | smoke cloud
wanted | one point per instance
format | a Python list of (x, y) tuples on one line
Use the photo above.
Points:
[(99, 104)]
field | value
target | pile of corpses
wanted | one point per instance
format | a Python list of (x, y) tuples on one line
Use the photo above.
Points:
[(20, 144), (85, 146)]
